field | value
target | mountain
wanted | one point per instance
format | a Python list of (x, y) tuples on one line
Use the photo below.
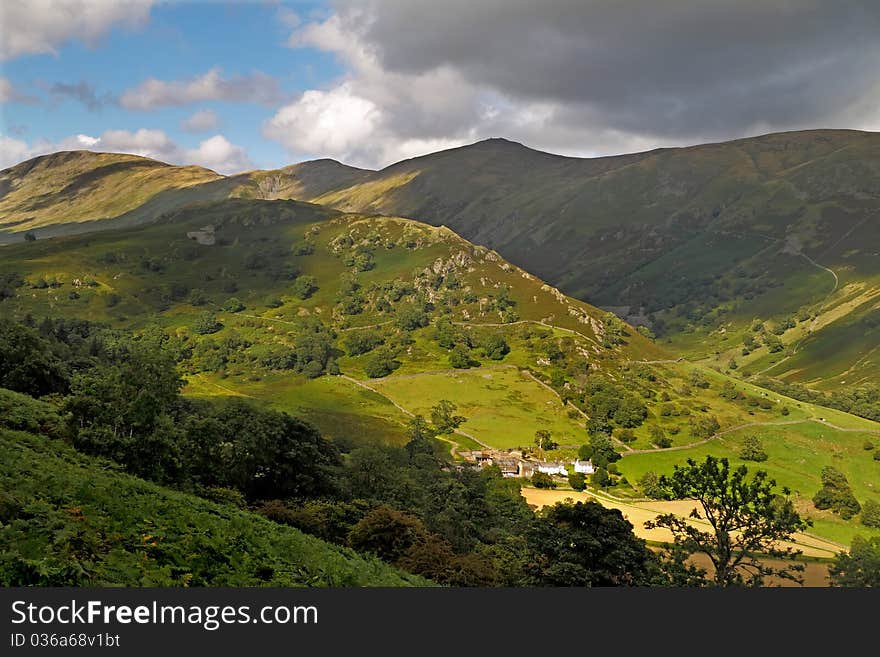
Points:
[(700, 243), (74, 191), (759, 253)]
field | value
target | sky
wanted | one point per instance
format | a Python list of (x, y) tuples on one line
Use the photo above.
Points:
[(235, 86)]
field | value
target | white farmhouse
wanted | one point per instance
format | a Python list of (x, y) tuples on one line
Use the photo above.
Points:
[(551, 468), (584, 467)]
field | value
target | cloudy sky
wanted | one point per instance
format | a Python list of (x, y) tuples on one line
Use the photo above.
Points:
[(261, 84)]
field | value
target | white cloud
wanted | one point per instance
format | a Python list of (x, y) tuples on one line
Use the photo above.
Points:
[(42, 26), (218, 154), (151, 94), (201, 121), (215, 153), (372, 117), (335, 122)]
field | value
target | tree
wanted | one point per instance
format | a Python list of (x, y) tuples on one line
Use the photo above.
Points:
[(206, 323), (422, 438), (585, 544), (599, 450), (381, 363), (871, 514), (460, 358), (444, 418), (543, 480), (752, 450), (232, 305), (495, 347), (836, 494), (650, 485), (601, 477), (626, 436), (749, 519), (577, 480), (411, 318), (387, 533), (544, 441), (28, 363), (704, 427), (860, 566), (362, 341), (659, 437)]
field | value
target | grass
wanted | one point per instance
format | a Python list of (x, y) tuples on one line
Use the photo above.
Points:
[(796, 456), (73, 520), (504, 407), (341, 410)]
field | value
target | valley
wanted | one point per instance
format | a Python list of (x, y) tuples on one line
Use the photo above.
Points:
[(470, 290)]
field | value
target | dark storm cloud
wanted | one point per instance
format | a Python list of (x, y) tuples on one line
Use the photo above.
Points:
[(674, 69), (82, 92)]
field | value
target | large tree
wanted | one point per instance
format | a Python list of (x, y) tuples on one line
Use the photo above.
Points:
[(748, 518), (585, 544), (860, 566)]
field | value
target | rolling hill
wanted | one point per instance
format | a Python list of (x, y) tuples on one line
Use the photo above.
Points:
[(700, 243), (358, 322), (77, 191)]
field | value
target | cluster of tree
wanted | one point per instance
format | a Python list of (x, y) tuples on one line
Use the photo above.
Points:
[(608, 405), (836, 494)]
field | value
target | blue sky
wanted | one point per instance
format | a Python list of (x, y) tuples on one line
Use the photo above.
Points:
[(179, 41), (261, 84)]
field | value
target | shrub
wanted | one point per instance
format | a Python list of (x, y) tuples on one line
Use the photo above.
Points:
[(304, 287), (543, 480), (752, 450), (232, 305), (871, 514), (206, 323)]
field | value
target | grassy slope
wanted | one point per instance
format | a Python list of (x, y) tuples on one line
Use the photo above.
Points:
[(73, 187), (338, 406), (68, 518), (797, 455)]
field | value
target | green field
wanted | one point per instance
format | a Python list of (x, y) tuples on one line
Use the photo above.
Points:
[(341, 410), (504, 407), (796, 455)]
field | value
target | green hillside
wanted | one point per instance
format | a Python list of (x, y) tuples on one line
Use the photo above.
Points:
[(357, 323), (698, 243), (74, 191), (73, 520)]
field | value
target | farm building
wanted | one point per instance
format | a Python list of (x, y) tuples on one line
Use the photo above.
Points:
[(551, 468), (584, 467)]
